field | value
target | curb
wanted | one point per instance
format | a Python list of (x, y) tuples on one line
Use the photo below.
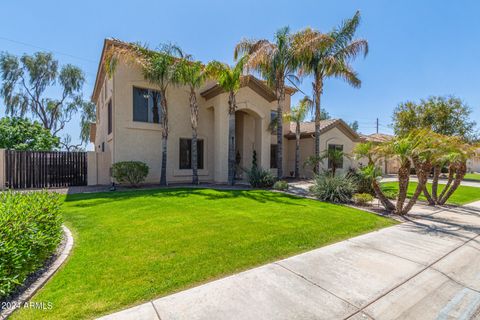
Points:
[(28, 293)]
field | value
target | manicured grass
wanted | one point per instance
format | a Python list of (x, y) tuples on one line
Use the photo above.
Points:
[(473, 176), (462, 195), (134, 246)]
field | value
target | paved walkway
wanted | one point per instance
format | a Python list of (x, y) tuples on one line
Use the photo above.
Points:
[(425, 268)]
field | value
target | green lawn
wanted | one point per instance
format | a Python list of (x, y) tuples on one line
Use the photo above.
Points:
[(462, 195), (473, 176), (137, 245)]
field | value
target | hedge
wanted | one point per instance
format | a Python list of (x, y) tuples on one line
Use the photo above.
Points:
[(30, 231)]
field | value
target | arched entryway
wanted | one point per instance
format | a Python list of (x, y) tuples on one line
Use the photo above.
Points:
[(248, 132)]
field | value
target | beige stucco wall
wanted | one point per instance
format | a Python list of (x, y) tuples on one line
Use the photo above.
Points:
[(142, 141), (307, 148), (473, 165)]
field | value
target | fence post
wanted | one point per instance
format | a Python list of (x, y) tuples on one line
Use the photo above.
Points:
[(2, 169), (92, 176)]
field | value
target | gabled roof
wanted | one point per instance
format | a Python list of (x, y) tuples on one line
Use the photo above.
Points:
[(257, 85), (307, 129)]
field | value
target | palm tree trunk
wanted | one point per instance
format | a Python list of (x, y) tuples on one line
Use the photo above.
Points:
[(422, 170), (461, 170), (437, 169), (451, 175), (281, 102), (297, 150), (387, 204), (428, 196), (403, 180), (194, 123), (163, 170), (317, 93), (231, 138)]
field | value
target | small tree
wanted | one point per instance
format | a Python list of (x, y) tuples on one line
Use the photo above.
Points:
[(27, 81), (298, 114), (22, 134)]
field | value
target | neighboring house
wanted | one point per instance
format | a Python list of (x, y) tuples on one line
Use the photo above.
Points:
[(127, 129), (389, 165), (473, 165)]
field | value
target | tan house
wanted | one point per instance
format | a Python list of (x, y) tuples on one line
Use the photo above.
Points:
[(127, 129)]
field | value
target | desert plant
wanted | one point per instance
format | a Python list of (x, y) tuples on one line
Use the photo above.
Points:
[(131, 172), (281, 185), (362, 199), (362, 180), (30, 231), (336, 189), (260, 178)]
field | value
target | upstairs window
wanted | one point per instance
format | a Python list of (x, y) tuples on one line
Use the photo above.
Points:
[(146, 105), (338, 161), (186, 153)]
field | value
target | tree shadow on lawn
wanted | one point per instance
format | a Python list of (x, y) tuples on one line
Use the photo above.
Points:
[(261, 196)]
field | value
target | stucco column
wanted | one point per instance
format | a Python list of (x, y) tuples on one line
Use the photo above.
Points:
[(221, 143), (263, 135), (92, 173), (2, 169)]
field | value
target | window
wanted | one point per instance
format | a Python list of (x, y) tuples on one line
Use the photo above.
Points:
[(273, 121), (273, 156), (110, 116), (146, 105), (186, 153), (338, 162)]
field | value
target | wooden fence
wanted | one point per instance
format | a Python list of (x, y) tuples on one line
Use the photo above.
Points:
[(36, 169)]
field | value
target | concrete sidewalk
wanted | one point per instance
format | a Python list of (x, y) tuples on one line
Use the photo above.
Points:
[(425, 268)]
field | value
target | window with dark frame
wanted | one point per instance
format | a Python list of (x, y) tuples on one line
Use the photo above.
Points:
[(186, 153), (146, 105), (339, 163), (273, 156), (110, 116)]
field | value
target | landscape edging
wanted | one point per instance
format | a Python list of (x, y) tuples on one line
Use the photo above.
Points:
[(39, 282)]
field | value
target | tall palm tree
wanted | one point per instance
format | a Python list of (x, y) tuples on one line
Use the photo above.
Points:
[(158, 68), (276, 62), (329, 55), (193, 75), (229, 78), (298, 114)]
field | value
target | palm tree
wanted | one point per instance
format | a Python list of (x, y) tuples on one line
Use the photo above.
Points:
[(298, 114), (328, 55), (370, 151), (229, 79), (193, 75), (158, 68), (276, 62)]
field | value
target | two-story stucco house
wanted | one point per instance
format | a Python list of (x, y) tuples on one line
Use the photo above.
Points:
[(127, 128)]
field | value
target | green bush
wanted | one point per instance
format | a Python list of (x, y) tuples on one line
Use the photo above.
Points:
[(260, 178), (362, 199), (362, 180), (30, 231), (390, 194), (336, 189), (281, 185), (131, 172)]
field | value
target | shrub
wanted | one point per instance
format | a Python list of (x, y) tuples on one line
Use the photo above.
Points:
[(30, 231), (281, 185), (260, 178), (336, 189), (362, 180), (131, 172), (390, 194), (362, 199)]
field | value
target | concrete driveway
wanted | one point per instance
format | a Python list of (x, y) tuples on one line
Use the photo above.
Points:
[(425, 268)]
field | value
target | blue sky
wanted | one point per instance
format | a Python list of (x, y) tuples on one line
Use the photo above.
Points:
[(417, 48)]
